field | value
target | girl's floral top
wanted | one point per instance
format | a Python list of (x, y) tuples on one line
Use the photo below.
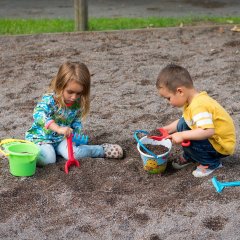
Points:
[(48, 111)]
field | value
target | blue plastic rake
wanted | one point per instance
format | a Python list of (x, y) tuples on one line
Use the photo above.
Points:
[(80, 139), (221, 185)]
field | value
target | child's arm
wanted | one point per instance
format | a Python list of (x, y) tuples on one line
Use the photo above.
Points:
[(66, 131), (196, 134), (43, 116), (172, 127)]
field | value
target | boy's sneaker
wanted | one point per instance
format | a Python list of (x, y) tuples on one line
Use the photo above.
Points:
[(203, 171), (112, 150), (180, 163)]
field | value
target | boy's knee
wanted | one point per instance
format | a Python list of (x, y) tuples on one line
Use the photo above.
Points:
[(182, 125)]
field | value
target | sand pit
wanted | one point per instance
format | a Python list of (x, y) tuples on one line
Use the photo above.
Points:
[(112, 199)]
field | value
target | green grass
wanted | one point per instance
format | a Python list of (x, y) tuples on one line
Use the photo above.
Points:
[(35, 26)]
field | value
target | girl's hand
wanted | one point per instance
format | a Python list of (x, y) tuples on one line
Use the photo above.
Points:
[(66, 131)]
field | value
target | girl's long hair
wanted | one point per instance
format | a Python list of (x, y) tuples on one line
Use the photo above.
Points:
[(70, 71)]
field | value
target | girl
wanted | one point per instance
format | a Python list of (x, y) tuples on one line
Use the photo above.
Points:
[(59, 114)]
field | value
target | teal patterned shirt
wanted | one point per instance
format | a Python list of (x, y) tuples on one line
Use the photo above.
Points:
[(47, 111)]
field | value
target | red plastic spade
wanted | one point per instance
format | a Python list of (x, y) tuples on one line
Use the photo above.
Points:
[(164, 134), (71, 160)]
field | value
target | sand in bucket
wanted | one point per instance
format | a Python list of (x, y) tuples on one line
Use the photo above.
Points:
[(22, 158), (151, 164)]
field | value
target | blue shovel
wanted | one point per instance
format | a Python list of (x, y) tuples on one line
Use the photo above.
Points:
[(221, 185)]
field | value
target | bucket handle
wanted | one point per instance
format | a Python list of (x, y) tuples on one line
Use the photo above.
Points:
[(142, 145), (11, 141)]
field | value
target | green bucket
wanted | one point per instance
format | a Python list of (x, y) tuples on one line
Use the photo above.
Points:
[(22, 158)]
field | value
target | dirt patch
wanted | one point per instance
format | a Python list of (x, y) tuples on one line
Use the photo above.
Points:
[(156, 149), (112, 199)]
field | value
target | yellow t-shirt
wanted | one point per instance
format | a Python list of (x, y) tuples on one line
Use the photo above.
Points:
[(204, 112)]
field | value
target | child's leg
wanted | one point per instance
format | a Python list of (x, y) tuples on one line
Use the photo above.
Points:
[(182, 126), (82, 151), (200, 151), (93, 151), (207, 156), (46, 155), (184, 161), (203, 152)]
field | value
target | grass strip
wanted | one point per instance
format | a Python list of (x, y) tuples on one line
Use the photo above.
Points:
[(36, 26)]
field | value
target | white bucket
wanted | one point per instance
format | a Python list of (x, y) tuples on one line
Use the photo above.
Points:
[(151, 163)]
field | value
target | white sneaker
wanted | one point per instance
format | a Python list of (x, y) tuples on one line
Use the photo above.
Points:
[(203, 171)]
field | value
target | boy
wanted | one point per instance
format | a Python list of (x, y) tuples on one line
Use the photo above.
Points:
[(204, 122)]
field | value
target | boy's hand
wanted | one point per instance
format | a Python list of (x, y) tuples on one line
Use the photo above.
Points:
[(176, 138)]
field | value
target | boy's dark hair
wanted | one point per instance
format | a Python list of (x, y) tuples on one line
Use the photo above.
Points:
[(174, 76)]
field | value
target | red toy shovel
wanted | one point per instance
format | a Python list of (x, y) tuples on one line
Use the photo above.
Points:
[(164, 134), (71, 160)]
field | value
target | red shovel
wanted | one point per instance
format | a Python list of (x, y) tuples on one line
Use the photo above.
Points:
[(164, 134), (71, 160)]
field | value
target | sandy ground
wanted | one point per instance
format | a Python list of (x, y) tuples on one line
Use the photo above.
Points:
[(112, 199)]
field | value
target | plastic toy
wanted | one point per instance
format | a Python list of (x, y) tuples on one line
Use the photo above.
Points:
[(221, 185), (164, 134), (21, 155), (142, 145), (71, 160), (152, 163), (80, 139), (12, 140)]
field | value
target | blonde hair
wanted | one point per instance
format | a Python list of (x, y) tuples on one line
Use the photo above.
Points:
[(173, 76), (70, 71)]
